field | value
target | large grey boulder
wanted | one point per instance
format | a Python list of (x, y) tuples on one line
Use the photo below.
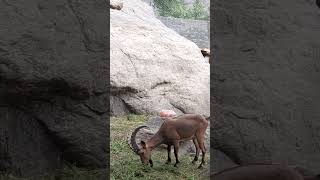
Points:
[(265, 82), (53, 101), (153, 67)]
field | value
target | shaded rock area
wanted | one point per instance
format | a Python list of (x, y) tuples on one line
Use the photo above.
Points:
[(153, 124), (53, 92), (118, 107), (220, 161), (265, 82), (153, 67)]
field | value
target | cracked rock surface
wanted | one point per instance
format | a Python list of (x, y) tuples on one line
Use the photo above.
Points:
[(152, 67), (265, 82), (53, 101)]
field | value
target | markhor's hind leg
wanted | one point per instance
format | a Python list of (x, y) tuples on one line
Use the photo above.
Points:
[(197, 150), (200, 139), (203, 149)]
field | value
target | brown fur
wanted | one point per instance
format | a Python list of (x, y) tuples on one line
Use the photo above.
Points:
[(171, 132)]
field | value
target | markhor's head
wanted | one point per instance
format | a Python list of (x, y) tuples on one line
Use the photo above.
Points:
[(144, 152)]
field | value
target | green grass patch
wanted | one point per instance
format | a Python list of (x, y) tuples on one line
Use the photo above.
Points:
[(178, 9), (126, 165)]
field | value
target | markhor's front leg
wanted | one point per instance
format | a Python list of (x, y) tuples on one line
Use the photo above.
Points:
[(176, 150), (151, 163), (169, 152)]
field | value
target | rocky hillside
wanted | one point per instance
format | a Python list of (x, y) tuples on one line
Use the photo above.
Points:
[(153, 67)]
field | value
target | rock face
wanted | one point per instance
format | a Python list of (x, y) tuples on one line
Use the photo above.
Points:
[(154, 68), (265, 82), (53, 100), (219, 161)]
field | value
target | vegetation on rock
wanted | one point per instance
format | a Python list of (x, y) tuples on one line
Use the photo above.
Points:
[(177, 9)]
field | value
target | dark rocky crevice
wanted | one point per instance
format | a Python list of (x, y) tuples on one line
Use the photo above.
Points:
[(116, 91), (178, 108), (96, 111), (160, 84), (43, 89), (86, 40)]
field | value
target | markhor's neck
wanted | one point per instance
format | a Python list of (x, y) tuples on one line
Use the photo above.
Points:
[(155, 141)]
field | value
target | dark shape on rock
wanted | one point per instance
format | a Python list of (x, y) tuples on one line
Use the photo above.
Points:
[(118, 6), (205, 52), (318, 3)]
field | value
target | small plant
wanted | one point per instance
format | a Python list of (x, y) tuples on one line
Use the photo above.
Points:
[(136, 118), (178, 9), (198, 10)]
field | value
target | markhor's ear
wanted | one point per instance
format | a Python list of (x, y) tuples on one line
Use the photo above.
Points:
[(143, 144)]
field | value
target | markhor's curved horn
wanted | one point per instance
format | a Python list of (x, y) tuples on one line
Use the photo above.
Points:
[(133, 142)]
